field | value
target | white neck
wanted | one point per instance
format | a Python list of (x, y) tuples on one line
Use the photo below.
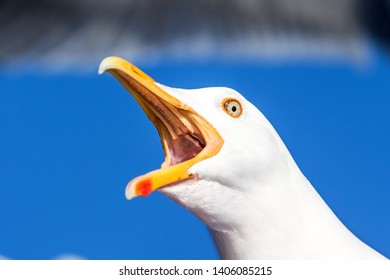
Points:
[(296, 225), (284, 218)]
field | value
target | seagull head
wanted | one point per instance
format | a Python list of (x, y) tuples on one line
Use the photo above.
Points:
[(216, 143)]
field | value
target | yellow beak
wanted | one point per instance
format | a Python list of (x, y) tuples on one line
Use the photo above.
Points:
[(187, 138)]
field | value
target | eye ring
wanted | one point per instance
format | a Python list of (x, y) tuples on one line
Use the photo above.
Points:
[(232, 107)]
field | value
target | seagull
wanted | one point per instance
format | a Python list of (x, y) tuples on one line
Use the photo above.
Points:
[(226, 164)]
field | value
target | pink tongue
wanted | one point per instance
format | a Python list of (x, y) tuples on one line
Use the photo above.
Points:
[(184, 148)]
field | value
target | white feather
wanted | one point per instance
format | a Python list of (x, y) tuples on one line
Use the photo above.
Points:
[(252, 195)]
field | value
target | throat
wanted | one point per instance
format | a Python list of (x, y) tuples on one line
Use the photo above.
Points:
[(288, 221), (266, 223), (184, 148)]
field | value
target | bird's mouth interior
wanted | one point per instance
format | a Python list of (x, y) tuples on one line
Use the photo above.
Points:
[(186, 137), (180, 147), (180, 137)]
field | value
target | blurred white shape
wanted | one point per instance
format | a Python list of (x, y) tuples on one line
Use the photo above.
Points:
[(65, 256), (68, 256)]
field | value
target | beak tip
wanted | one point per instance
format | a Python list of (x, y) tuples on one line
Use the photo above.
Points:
[(130, 193), (104, 65), (108, 63), (139, 187)]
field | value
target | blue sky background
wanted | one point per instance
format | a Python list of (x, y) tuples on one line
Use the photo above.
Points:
[(70, 142)]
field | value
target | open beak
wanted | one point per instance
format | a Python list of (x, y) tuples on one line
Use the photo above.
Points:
[(187, 138)]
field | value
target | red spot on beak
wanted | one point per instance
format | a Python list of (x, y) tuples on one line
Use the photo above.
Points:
[(144, 188)]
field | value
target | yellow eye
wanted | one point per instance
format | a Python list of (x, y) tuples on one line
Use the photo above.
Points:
[(232, 107)]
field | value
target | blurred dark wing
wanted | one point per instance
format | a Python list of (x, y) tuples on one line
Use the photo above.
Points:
[(81, 32)]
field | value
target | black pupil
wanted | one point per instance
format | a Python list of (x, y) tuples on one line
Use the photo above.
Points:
[(234, 108)]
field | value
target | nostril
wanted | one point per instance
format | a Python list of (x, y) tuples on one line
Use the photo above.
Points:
[(140, 73)]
